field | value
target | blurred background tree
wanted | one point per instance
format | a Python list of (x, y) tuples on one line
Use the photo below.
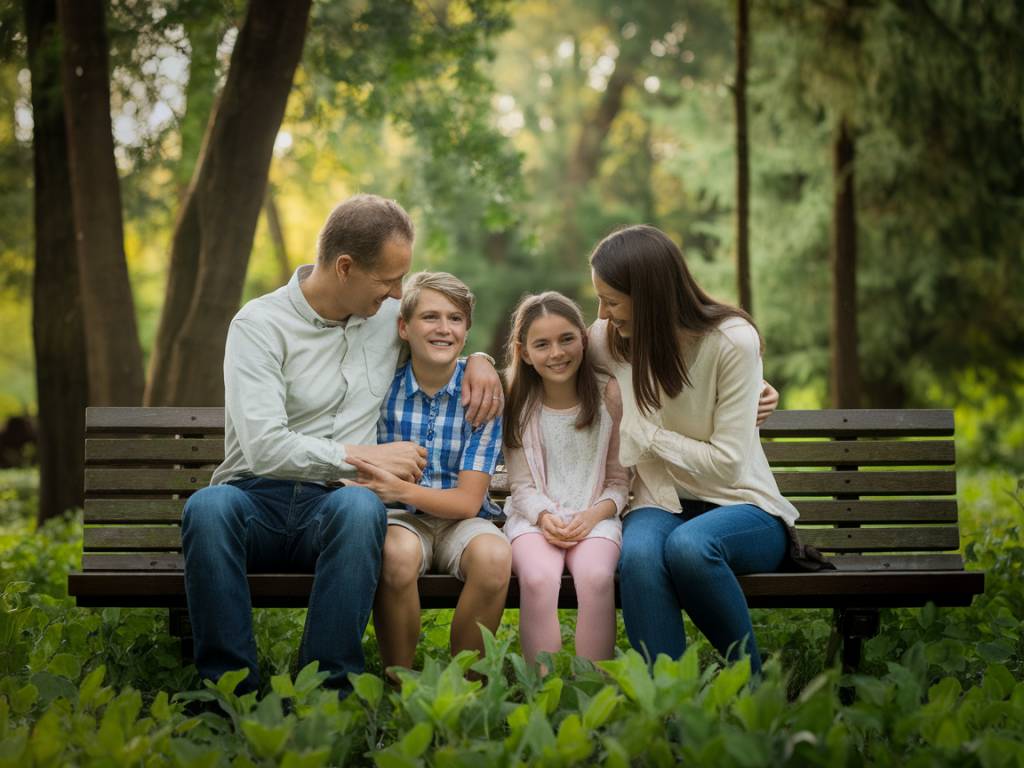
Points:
[(886, 175)]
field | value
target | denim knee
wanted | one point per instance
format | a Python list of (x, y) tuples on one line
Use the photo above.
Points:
[(358, 510), (213, 510), (688, 555)]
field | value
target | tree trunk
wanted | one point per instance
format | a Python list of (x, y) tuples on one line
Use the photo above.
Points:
[(214, 233), (845, 383), (585, 161), (284, 269), (57, 323), (111, 338), (742, 158)]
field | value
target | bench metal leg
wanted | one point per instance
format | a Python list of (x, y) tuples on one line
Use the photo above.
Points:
[(181, 627), (850, 628)]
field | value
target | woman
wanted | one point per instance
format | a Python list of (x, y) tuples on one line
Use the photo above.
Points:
[(706, 507)]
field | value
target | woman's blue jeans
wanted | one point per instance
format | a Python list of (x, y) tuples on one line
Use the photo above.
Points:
[(690, 562), (276, 526)]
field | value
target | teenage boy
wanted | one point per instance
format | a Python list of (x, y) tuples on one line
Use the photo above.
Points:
[(438, 529), (305, 371)]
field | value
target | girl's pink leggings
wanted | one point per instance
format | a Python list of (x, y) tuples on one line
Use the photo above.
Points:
[(538, 566)]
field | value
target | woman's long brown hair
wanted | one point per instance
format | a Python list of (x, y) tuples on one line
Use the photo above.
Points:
[(643, 263), (525, 384)]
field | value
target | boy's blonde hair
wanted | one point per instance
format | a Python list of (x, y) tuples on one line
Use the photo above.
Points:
[(448, 285)]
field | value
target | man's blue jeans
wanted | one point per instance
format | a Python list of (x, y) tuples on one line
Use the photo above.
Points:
[(277, 526), (690, 562)]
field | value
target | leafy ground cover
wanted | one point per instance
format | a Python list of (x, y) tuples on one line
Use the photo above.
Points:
[(106, 688)]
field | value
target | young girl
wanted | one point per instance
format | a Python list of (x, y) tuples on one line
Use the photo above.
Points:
[(567, 486), (706, 507)]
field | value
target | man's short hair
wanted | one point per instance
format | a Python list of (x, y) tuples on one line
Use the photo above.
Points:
[(448, 285), (360, 226)]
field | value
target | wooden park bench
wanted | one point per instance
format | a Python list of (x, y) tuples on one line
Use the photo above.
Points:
[(875, 490)]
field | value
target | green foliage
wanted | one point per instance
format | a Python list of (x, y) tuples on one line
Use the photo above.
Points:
[(105, 687)]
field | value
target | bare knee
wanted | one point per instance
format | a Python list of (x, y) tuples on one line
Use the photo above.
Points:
[(402, 558), (487, 563)]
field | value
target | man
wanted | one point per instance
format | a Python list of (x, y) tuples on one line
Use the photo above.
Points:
[(305, 370)]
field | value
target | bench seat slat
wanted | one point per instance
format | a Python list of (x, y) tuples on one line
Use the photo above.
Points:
[(917, 539), (909, 483), (138, 538), (148, 511), (111, 450), (860, 423), (864, 453), (904, 483), (119, 420), (902, 588)]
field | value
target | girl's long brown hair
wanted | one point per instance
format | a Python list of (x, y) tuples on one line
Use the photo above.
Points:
[(525, 384), (643, 263)]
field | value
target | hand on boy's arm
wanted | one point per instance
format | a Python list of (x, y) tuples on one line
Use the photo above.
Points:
[(387, 486), (404, 459), (482, 396), (767, 403)]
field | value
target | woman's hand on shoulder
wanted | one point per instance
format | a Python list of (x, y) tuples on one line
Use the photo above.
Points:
[(767, 402)]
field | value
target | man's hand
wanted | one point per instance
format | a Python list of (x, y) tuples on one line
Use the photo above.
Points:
[(404, 459), (482, 396), (767, 403), (387, 486), (552, 529)]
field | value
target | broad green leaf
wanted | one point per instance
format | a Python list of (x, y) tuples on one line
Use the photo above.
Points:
[(312, 758), (282, 686), (573, 742), (90, 687), (393, 758), (229, 681), (267, 740), (66, 665), (998, 683), (48, 738), (416, 741), (160, 709), (600, 708), (309, 678), (23, 699), (728, 683)]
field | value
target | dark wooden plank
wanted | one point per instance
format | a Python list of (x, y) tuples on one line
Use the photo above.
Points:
[(885, 483), (917, 539), (133, 510), (887, 511), (144, 480), (825, 589), (863, 423), (156, 561), (115, 450), (153, 420), (864, 453), (131, 538), (897, 562)]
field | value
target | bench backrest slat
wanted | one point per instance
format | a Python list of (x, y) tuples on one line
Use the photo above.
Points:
[(877, 494)]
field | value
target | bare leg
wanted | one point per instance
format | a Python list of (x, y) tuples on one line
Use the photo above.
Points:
[(396, 608), (486, 566)]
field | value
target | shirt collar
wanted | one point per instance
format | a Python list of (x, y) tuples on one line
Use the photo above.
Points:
[(411, 386), (306, 312)]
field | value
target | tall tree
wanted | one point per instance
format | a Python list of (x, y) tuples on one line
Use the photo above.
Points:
[(214, 232), (845, 369), (111, 337), (742, 156), (57, 322)]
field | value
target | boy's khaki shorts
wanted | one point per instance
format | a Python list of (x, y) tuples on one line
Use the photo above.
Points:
[(443, 541)]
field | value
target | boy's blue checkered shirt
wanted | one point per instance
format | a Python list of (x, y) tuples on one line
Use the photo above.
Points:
[(439, 424)]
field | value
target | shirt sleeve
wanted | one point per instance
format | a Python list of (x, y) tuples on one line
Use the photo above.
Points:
[(524, 497), (255, 395), (721, 457), (616, 477), (481, 447)]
